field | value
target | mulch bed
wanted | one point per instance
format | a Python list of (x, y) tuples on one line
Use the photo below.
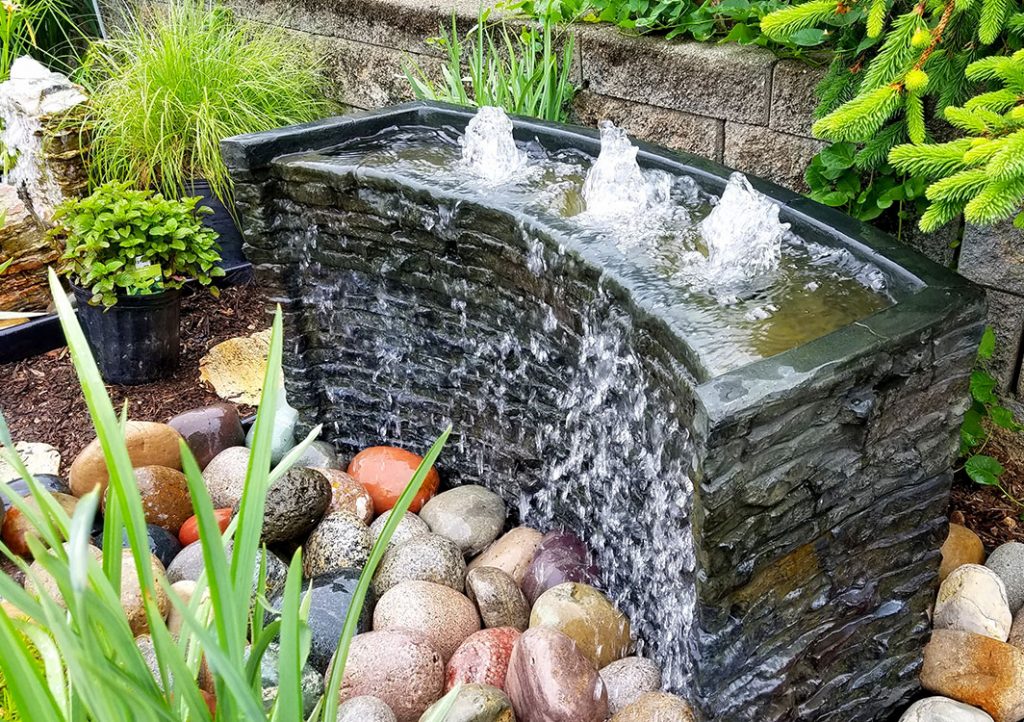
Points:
[(42, 401), (984, 509)]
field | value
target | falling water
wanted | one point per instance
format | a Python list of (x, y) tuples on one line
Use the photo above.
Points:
[(488, 148)]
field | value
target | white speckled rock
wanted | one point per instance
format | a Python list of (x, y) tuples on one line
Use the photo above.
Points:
[(225, 476), (340, 541), (629, 678), (427, 558), (365, 709), (973, 599), (410, 526), (471, 516), (1008, 562), (943, 709)]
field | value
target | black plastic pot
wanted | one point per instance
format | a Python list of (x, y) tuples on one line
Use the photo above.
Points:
[(230, 239), (135, 341)]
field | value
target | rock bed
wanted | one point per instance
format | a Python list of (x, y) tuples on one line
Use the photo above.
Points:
[(512, 614)]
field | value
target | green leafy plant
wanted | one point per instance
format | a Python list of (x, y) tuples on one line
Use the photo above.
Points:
[(521, 71), (92, 669), (164, 93), (985, 413), (120, 240)]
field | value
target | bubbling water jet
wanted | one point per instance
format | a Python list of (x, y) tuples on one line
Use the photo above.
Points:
[(488, 147)]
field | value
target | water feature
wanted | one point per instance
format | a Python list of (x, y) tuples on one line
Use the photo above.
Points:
[(756, 463)]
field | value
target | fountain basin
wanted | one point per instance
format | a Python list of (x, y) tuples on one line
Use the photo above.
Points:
[(770, 522)]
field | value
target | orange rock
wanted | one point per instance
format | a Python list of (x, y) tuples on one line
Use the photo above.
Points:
[(17, 529), (962, 546), (190, 529), (165, 497), (385, 471), (976, 670), (149, 444)]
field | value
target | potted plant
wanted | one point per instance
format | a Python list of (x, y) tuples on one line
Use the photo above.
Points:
[(170, 86), (128, 252)]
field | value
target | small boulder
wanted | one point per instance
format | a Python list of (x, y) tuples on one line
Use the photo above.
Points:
[(512, 553), (973, 599), (585, 615), (225, 476), (976, 670), (656, 707), (17, 529), (209, 431), (165, 497), (499, 599), (962, 546), (442, 615), (426, 558), (385, 471), (479, 703), (347, 494), (131, 592), (365, 709), (943, 709), (331, 597), (482, 658), (295, 504), (189, 565), (410, 526), (1007, 561), (561, 557), (471, 516), (400, 668), (339, 541), (149, 444), (629, 678), (550, 680)]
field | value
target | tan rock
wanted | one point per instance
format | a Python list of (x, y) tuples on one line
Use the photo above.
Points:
[(439, 613), (585, 615), (347, 494), (38, 581), (656, 707), (17, 529), (235, 368), (962, 546), (131, 592), (149, 444), (500, 601), (973, 599), (976, 670), (512, 553), (23, 285)]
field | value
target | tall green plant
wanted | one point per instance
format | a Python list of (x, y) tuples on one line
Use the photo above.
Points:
[(49, 30), (164, 93), (524, 71), (92, 669)]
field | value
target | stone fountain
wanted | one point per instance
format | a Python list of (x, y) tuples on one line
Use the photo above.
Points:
[(746, 403)]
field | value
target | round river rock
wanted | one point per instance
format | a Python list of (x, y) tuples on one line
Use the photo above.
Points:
[(585, 615), (410, 526), (471, 516), (340, 541), (480, 703), (165, 496), (482, 659), (512, 553), (442, 615), (629, 678), (499, 599), (149, 444), (209, 430), (561, 557), (347, 494), (426, 558), (365, 709), (225, 476), (295, 504), (656, 707)]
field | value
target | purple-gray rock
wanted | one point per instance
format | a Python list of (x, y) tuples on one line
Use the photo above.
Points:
[(209, 430), (561, 557)]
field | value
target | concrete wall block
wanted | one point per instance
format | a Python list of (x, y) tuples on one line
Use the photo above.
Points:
[(672, 128), (994, 256), (793, 96), (1006, 317), (731, 82), (778, 157)]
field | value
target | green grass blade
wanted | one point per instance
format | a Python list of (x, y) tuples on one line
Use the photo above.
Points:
[(24, 679), (290, 655)]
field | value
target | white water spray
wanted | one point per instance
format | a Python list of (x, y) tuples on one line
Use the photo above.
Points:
[(616, 188), (488, 147)]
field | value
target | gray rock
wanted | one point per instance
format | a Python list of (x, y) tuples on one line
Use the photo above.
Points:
[(973, 599), (312, 682), (319, 454), (629, 678), (225, 476), (188, 565), (340, 541), (471, 516), (498, 597), (410, 526), (794, 96), (283, 434), (778, 157), (365, 709), (427, 558), (1007, 560), (295, 504), (479, 703), (943, 709)]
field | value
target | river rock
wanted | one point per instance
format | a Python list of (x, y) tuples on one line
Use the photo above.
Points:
[(162, 544), (962, 546), (585, 615), (189, 565), (165, 496), (131, 592), (38, 458), (339, 541), (512, 553), (209, 430), (1016, 637), (973, 599), (426, 558), (183, 590), (499, 599), (561, 557), (39, 582), (550, 680), (442, 615), (385, 471), (17, 529), (347, 494), (656, 707), (189, 531), (1007, 561), (629, 678), (471, 516), (311, 682), (319, 454), (295, 504), (479, 703), (50, 482), (976, 670), (400, 668), (482, 659), (225, 476), (282, 435), (149, 444), (365, 709), (410, 526), (943, 709), (330, 599)]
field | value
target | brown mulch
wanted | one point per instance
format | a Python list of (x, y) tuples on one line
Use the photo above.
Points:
[(42, 401), (984, 509)]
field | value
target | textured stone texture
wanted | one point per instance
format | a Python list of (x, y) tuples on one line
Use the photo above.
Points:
[(820, 501), (672, 128), (793, 96), (1006, 318), (778, 157), (994, 256), (23, 285)]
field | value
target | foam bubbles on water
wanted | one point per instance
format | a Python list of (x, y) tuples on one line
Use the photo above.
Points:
[(488, 147)]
